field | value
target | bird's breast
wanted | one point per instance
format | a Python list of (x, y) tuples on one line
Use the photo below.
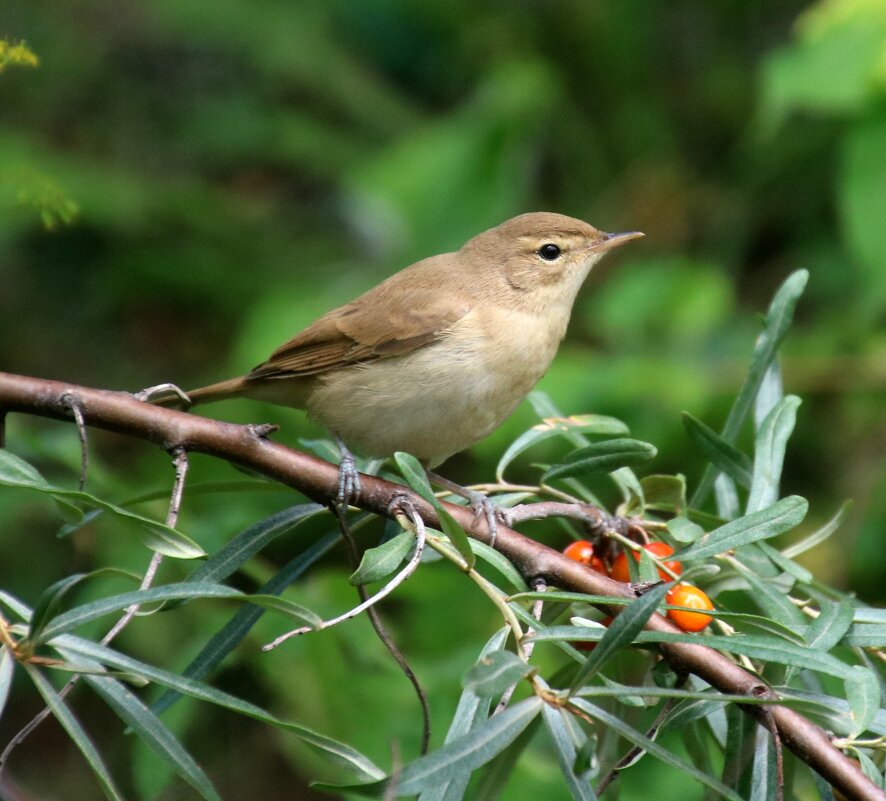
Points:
[(442, 397)]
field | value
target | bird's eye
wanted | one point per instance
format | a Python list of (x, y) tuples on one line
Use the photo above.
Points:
[(549, 252)]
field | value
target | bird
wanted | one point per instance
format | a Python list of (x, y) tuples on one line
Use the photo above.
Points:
[(438, 355)]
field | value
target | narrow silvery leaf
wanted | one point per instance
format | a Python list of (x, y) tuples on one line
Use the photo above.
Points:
[(417, 479), (476, 748), (654, 749), (684, 530), (7, 668), (726, 496), (75, 731), (251, 541), (863, 695), (783, 516), (495, 672), (778, 321), (605, 456), (563, 738), (233, 632), (819, 535), (722, 454), (831, 625), (769, 452), (621, 632), (770, 393), (471, 711), (153, 733), (384, 559), (764, 786), (343, 755), (15, 472), (558, 427), (415, 475)]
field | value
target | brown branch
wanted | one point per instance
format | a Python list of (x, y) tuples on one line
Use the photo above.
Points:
[(243, 445)]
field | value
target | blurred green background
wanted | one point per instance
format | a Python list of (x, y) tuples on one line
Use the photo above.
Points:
[(241, 167)]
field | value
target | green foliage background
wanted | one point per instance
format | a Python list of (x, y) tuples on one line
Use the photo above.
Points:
[(240, 167)]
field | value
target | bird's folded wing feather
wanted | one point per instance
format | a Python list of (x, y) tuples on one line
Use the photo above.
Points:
[(359, 333)]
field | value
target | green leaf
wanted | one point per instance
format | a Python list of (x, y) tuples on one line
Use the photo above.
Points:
[(153, 733), (384, 559), (564, 735), (721, 454), (551, 427), (469, 752), (789, 566), (726, 496), (232, 633), (863, 695), (769, 451), (820, 535), (54, 597), (343, 755), (237, 551), (783, 516), (470, 712), (415, 475), (158, 537), (456, 534), (86, 613), (7, 669), (51, 600), (495, 672), (778, 321), (684, 530), (417, 479), (501, 563), (768, 649), (771, 599), (831, 625), (664, 493), (654, 749), (605, 456), (75, 731), (621, 632)]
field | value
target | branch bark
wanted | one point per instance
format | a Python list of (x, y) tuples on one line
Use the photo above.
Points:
[(318, 480)]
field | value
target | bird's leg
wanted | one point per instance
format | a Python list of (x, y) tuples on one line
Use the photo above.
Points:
[(480, 504), (348, 477), (155, 393)]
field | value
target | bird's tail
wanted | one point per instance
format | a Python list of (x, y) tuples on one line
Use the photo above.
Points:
[(171, 396)]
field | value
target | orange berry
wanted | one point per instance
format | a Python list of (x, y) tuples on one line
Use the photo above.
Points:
[(621, 572), (694, 598), (583, 551)]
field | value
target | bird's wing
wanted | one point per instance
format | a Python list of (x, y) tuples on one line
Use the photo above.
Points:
[(359, 332)]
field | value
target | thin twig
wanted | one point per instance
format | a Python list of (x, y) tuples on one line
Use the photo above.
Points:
[(378, 625), (634, 752), (73, 404), (538, 585), (395, 582)]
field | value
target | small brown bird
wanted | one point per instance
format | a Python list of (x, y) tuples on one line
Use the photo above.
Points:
[(434, 358)]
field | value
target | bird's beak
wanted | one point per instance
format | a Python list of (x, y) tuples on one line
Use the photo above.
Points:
[(610, 241)]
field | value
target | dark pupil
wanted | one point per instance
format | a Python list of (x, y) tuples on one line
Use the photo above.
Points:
[(549, 252)]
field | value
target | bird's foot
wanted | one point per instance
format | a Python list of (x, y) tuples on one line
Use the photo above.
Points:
[(480, 504), (160, 392), (348, 477), (484, 507)]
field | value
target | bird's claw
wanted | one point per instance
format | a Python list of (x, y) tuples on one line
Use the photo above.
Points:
[(482, 506), (150, 394), (348, 479)]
